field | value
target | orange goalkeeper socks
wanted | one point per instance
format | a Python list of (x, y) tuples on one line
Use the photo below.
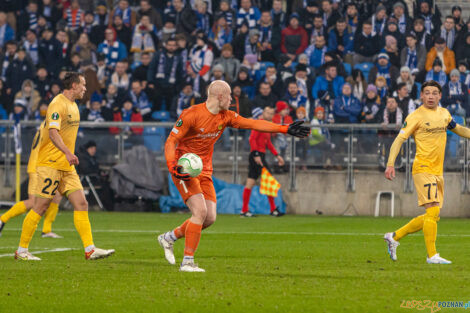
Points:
[(181, 230), (193, 235)]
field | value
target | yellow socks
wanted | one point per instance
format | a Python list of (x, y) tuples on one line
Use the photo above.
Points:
[(29, 227), (18, 209), (49, 217), (413, 226), (82, 224), (430, 229)]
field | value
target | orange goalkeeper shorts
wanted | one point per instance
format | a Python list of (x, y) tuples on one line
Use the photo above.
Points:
[(200, 184)]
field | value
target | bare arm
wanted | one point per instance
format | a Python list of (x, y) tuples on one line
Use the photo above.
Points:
[(59, 143), (461, 131)]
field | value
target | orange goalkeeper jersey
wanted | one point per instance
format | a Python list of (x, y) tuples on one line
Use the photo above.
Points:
[(197, 130)]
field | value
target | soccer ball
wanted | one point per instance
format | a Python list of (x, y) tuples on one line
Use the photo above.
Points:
[(191, 163)]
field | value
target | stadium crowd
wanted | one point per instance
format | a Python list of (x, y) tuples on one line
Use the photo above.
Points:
[(326, 61)]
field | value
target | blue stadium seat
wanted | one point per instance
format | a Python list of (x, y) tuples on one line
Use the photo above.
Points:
[(347, 67), (162, 116), (418, 94), (365, 68), (153, 138)]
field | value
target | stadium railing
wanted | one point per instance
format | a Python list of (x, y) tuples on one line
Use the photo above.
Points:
[(338, 147)]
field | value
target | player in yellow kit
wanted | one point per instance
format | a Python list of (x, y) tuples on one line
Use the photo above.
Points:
[(56, 172), (428, 125), (23, 206)]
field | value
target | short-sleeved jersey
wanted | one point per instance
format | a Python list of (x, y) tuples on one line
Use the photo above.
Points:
[(63, 115), (428, 128), (33, 156), (197, 130)]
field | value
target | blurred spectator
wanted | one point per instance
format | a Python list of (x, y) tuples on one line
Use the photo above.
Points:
[(127, 114), (65, 47), (91, 78), (96, 111), (320, 138), (165, 74), (75, 63), (101, 15), (50, 12), (168, 31), (144, 38), (379, 20), (266, 97), (392, 113), (125, 12), (40, 113), (278, 15), (27, 19), (304, 83), (463, 50), (392, 51), (140, 100), (448, 32), (217, 73), (74, 16), (455, 92), (295, 98), (330, 16), (221, 33), (422, 36), (6, 32), (403, 21), (294, 38), (184, 100), (8, 55), (55, 90), (318, 29), (341, 40), (182, 50), (120, 78), (3, 116), (102, 71), (366, 44), (140, 72), (245, 82), (94, 31), (408, 79), (316, 53), (412, 55), (404, 101), (230, 64), (113, 49), (347, 108), (371, 106), (382, 88), (184, 17), (147, 9), (50, 53), (270, 38), (20, 112), (281, 117), (228, 13), (199, 84), (123, 32), (385, 69), (19, 70), (352, 16), (307, 14), (201, 57), (464, 73), (85, 49), (240, 102), (248, 13), (5, 99), (444, 54), (245, 44), (203, 17), (358, 83), (42, 81), (111, 97), (274, 80), (437, 73), (430, 20), (330, 82)]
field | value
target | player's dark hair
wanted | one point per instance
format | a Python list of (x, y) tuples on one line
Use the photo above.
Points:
[(70, 78), (431, 83)]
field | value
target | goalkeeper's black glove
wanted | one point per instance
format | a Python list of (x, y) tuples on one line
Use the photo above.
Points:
[(176, 171), (296, 129)]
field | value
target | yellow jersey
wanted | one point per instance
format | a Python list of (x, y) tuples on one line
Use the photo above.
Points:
[(63, 115), (33, 157), (429, 129)]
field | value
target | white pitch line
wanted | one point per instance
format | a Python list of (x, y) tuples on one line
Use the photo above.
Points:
[(39, 252), (241, 232)]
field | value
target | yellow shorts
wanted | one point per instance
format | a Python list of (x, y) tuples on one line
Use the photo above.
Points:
[(50, 181), (430, 188), (32, 183)]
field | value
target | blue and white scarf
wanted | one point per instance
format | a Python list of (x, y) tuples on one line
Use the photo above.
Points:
[(95, 116), (203, 22), (111, 52), (6, 63), (455, 89), (33, 20), (402, 24), (184, 102), (221, 36), (125, 15), (197, 58), (384, 71), (449, 37), (249, 16), (297, 101), (428, 23), (440, 77), (228, 17), (99, 20), (32, 50), (315, 33), (265, 34), (161, 68), (78, 17), (378, 27), (249, 46), (141, 102), (411, 58)]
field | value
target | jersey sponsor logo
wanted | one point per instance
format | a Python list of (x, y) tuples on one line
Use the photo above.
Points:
[(179, 123), (435, 130), (210, 135), (55, 116), (174, 130)]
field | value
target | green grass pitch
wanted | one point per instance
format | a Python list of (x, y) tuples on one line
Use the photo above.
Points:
[(264, 264)]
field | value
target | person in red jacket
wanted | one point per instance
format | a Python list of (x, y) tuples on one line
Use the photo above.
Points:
[(294, 38), (281, 117), (127, 114), (258, 143)]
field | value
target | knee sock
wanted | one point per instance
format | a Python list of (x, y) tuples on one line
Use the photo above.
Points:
[(413, 226), (246, 200), (272, 205), (29, 227), (430, 229), (49, 217), (178, 232), (193, 235), (82, 224), (18, 209)]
